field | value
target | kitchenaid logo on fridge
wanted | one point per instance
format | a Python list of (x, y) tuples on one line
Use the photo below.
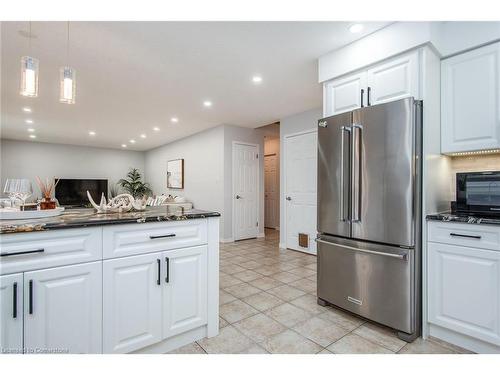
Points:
[(354, 300)]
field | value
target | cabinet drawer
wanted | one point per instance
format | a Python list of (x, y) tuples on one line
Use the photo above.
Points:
[(23, 252), (471, 235), (131, 239)]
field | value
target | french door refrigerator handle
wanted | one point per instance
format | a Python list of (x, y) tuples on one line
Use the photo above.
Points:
[(356, 173), (390, 255), (342, 148)]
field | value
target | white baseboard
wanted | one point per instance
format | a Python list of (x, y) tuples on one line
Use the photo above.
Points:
[(261, 235), (282, 245), (225, 240)]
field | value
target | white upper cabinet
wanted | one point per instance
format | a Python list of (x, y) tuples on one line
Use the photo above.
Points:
[(63, 309), (395, 79), (344, 94), (11, 313), (390, 80), (470, 100)]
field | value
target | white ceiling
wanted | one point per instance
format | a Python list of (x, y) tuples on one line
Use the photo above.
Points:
[(133, 76)]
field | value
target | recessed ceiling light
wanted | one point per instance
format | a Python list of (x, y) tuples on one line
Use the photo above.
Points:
[(174, 119), (207, 103), (27, 109), (29, 121), (356, 28), (31, 130), (132, 141), (256, 79), (124, 145), (33, 136), (143, 135), (91, 133), (156, 129)]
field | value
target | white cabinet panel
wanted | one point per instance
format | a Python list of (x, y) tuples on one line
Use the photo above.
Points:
[(397, 78), (344, 94), (185, 291), (11, 313), (464, 290), (470, 100), (63, 309), (462, 234), (132, 294)]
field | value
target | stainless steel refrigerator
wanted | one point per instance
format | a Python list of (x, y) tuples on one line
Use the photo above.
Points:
[(369, 213)]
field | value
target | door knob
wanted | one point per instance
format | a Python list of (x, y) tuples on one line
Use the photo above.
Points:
[(288, 198), (238, 196)]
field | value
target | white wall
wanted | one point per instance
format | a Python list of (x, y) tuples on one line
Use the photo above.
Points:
[(21, 159), (203, 155), (290, 125), (238, 134)]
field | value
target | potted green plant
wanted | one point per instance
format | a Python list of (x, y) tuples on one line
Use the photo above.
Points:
[(133, 184)]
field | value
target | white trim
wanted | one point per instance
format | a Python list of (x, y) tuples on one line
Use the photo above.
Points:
[(261, 235), (284, 190), (257, 146), (282, 245), (226, 240)]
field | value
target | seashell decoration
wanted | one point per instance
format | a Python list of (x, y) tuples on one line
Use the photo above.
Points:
[(120, 203)]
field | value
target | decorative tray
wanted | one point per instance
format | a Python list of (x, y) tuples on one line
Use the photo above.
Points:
[(10, 214)]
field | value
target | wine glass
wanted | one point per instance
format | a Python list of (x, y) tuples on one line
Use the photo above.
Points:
[(18, 188), (11, 189), (25, 190)]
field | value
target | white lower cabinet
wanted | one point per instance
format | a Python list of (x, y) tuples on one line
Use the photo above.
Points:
[(464, 290), (63, 309), (132, 308), (11, 313), (185, 291)]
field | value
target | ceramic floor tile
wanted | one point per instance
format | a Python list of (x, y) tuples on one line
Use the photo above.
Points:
[(265, 283), (354, 344), (262, 301), (302, 272), (305, 285), (288, 315), (320, 331), (290, 342), (380, 335), (309, 302), (242, 290), (254, 349), (342, 319), (247, 275), (228, 341), (231, 269), (421, 346), (236, 311), (222, 323), (259, 327), (192, 348), (225, 297), (286, 292), (226, 281), (250, 265), (285, 277)]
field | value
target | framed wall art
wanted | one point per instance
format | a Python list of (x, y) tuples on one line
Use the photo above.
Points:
[(175, 174)]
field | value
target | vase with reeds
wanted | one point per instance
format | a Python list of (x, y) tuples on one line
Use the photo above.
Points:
[(47, 188)]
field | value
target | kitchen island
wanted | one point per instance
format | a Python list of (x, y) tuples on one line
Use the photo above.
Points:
[(109, 283)]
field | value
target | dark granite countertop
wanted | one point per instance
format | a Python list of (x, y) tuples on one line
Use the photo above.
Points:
[(86, 217), (448, 216)]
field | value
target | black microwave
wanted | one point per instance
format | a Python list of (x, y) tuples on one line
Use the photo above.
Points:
[(478, 193)]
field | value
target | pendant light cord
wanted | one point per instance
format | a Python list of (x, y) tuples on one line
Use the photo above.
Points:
[(67, 45)]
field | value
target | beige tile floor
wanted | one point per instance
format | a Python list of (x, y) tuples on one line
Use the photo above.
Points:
[(268, 305)]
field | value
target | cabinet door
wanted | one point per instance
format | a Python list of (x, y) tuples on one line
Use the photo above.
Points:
[(464, 290), (185, 292), (344, 94), (132, 296), (397, 78), (63, 309), (11, 313), (470, 100)]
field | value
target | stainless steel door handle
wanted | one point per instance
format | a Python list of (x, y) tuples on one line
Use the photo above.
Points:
[(356, 173), (288, 198), (342, 198), (390, 255)]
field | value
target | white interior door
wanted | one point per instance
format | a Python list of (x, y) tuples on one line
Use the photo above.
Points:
[(245, 190), (271, 196), (300, 190)]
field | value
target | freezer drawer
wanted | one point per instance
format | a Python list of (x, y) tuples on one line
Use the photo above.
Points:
[(370, 280)]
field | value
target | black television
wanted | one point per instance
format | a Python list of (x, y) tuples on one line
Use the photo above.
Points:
[(73, 192)]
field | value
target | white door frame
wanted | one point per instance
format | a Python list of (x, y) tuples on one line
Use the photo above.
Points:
[(233, 206), (284, 224)]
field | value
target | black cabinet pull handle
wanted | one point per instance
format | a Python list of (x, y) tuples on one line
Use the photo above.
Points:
[(14, 300), (368, 96), (22, 253), (362, 96), (162, 236), (158, 281), (465, 235), (30, 308), (167, 279)]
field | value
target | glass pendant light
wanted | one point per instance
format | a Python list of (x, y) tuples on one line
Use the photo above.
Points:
[(29, 73), (67, 80)]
